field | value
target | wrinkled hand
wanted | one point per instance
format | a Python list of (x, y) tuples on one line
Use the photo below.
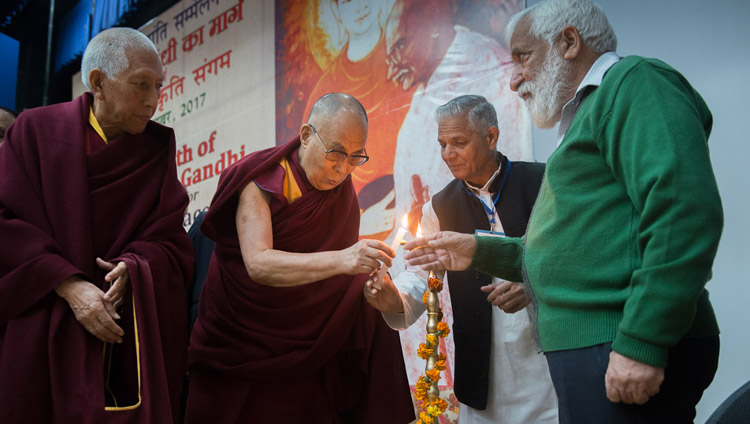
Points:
[(118, 277), (442, 250), (365, 256), (91, 309), (506, 295), (630, 381), (384, 299)]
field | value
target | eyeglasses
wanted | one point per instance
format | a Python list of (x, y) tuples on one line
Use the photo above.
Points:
[(334, 155)]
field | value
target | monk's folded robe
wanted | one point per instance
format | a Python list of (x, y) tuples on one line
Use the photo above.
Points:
[(60, 208), (310, 353)]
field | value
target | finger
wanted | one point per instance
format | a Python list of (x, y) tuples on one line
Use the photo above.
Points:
[(626, 396), (101, 332), (640, 397), (415, 244), (516, 306), (116, 291), (119, 272), (514, 297), (107, 266), (420, 257), (612, 393), (510, 307), (111, 310), (384, 248), (384, 258), (488, 288), (652, 391), (495, 296), (110, 326)]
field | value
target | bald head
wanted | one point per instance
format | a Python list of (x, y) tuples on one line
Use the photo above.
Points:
[(332, 104), (332, 140)]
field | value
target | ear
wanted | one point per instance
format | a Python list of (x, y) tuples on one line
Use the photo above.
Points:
[(571, 42), (96, 81), (305, 132), (492, 135)]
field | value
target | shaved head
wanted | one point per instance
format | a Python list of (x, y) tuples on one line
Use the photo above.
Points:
[(331, 104), (337, 123)]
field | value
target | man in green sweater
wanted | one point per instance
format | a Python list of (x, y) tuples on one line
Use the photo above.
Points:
[(625, 229)]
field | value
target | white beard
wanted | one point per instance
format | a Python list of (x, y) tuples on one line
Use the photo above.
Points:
[(545, 103)]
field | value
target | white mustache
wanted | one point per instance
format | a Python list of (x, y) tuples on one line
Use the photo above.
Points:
[(526, 87)]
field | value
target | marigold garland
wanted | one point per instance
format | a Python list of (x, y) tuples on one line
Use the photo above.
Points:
[(431, 410), (435, 284)]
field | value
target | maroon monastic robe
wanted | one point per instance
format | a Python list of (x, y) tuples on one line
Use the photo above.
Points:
[(59, 209), (314, 353)]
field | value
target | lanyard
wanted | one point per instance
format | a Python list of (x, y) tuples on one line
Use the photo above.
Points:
[(491, 211)]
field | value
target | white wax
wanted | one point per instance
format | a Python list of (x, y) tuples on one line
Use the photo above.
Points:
[(399, 236), (384, 269)]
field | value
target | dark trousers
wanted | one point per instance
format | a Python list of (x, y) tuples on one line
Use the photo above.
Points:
[(578, 377)]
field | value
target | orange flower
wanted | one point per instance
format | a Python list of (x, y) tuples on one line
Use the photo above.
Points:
[(440, 365), (424, 297), (424, 352), (433, 374), (443, 329), (422, 386), (441, 357), (435, 284), (426, 418), (433, 410), (432, 340), (441, 404)]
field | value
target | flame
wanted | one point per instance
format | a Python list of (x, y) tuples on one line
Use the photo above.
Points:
[(419, 230), (405, 221)]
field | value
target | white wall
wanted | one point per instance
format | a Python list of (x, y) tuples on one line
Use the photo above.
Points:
[(707, 41)]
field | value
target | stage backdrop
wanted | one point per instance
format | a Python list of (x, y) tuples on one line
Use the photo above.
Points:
[(242, 76), (218, 92)]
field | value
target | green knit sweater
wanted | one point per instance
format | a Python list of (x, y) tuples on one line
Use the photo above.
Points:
[(624, 232)]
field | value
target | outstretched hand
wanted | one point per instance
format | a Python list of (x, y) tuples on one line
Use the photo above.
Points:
[(443, 250), (365, 256)]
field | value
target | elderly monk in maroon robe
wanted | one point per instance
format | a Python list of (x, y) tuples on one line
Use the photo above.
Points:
[(283, 332), (93, 258)]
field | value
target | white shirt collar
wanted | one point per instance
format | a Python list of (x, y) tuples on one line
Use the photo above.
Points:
[(593, 78), (486, 188)]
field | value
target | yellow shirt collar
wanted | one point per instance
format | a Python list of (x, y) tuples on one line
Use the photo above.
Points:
[(95, 125)]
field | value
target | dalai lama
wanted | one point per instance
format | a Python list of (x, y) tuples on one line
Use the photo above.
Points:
[(283, 333)]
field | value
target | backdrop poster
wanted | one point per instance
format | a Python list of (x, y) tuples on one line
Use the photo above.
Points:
[(218, 89), (401, 59)]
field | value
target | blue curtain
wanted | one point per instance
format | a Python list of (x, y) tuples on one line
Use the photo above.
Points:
[(76, 29), (109, 12), (73, 34)]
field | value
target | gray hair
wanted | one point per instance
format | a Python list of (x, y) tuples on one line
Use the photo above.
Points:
[(549, 17), (476, 109), (107, 51), (330, 104)]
